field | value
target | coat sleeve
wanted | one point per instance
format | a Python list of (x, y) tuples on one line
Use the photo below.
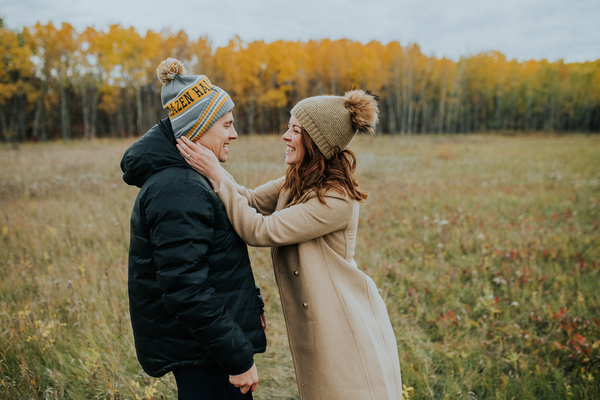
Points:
[(295, 224), (181, 217), (263, 198)]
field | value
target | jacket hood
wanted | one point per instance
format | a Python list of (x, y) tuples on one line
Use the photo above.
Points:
[(150, 154)]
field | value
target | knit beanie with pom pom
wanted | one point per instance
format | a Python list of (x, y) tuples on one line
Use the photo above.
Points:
[(194, 104), (333, 121)]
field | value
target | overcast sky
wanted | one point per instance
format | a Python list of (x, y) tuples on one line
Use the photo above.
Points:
[(520, 29)]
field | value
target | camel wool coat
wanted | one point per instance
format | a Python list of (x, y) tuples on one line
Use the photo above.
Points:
[(340, 335)]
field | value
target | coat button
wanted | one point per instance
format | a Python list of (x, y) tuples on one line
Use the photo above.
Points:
[(304, 305), (296, 273)]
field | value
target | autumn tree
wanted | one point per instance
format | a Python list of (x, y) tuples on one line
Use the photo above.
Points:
[(61, 83), (17, 84)]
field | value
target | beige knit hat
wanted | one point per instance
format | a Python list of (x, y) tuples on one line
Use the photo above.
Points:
[(333, 121)]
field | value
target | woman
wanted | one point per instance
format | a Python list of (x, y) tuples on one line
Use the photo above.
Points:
[(340, 335)]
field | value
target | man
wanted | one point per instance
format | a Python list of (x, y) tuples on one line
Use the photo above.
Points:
[(195, 309)]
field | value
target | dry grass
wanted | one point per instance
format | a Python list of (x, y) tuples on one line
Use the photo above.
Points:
[(486, 249)]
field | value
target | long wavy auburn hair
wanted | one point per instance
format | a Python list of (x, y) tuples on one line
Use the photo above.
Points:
[(315, 173)]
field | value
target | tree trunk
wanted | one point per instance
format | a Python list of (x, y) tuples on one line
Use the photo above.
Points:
[(391, 112), (94, 111), (139, 110), (442, 106), (407, 99), (250, 109), (420, 117), (120, 121), (3, 126), (86, 111), (65, 118), (38, 129), (12, 129), (129, 123), (17, 130), (498, 106)]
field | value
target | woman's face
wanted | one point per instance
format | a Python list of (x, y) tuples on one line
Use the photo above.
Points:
[(294, 151)]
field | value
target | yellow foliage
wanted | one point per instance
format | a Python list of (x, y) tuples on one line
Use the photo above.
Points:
[(112, 68)]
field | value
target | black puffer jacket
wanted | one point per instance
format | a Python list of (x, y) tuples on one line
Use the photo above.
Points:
[(192, 296)]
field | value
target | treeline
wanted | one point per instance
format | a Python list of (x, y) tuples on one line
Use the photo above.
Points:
[(56, 82)]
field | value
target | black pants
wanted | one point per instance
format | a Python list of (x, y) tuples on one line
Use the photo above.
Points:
[(196, 383)]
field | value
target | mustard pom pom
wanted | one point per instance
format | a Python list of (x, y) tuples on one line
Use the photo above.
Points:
[(364, 109), (169, 69)]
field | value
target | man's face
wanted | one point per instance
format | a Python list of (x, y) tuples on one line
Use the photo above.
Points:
[(219, 135)]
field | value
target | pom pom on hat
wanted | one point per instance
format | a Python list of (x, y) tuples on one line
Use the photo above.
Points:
[(364, 110), (333, 121), (169, 69)]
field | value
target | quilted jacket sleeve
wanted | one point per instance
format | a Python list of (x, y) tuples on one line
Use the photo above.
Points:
[(264, 198)]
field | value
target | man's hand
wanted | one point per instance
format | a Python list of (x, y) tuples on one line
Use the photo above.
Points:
[(263, 321), (248, 381)]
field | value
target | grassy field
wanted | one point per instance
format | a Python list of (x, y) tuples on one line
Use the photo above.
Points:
[(486, 249)]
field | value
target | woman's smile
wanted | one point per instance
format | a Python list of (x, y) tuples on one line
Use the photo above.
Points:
[(294, 149)]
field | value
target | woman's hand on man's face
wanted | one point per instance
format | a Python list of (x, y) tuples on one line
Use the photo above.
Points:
[(202, 160)]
